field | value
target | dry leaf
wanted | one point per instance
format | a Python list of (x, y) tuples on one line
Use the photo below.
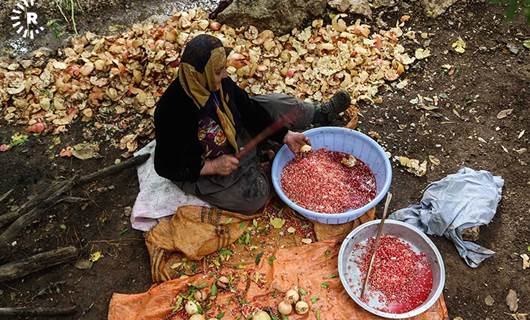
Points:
[(66, 152), (504, 113), (129, 142), (87, 68), (435, 161), (422, 53), (95, 256), (414, 166), (459, 45), (489, 300), (83, 264), (60, 65), (277, 223), (512, 300), (85, 151)]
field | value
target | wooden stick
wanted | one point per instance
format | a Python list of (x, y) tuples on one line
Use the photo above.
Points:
[(37, 211), (376, 243), (5, 195), (47, 199), (270, 130), (19, 269), (11, 216), (223, 4), (111, 170), (37, 311)]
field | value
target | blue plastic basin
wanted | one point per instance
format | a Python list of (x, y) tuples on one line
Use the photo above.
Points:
[(344, 140)]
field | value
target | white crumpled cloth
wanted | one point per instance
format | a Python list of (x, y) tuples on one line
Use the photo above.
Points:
[(158, 197), (459, 201)]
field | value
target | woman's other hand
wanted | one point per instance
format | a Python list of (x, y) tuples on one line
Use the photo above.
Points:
[(223, 166), (295, 140)]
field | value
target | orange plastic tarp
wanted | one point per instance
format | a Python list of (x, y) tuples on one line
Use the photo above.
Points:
[(311, 267)]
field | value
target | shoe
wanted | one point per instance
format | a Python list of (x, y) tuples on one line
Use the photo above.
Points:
[(338, 103)]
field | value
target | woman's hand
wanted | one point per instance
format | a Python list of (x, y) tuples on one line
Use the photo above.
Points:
[(295, 140), (223, 166)]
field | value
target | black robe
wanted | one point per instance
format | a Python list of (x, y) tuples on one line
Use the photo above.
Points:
[(178, 153)]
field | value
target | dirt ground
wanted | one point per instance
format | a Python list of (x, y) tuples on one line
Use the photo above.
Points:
[(463, 131)]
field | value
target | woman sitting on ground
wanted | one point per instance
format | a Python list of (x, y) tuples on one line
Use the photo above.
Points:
[(204, 118)]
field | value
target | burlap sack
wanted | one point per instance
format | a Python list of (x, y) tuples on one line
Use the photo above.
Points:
[(194, 232)]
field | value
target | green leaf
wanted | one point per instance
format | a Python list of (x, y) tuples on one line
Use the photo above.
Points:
[(242, 225), (247, 238), (528, 248), (225, 252), (258, 257), (277, 223), (220, 315), (18, 139), (325, 284), (178, 304), (317, 314), (124, 231), (333, 276), (302, 292), (271, 260), (194, 288), (526, 44), (194, 267), (314, 299), (327, 253), (244, 239), (213, 291)]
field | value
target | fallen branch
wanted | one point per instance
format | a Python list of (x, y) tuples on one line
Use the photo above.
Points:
[(108, 171), (11, 216), (71, 200), (223, 4), (37, 211), (5, 195), (37, 311), (50, 197), (19, 269)]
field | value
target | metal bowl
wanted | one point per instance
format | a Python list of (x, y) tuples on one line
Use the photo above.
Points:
[(406, 232)]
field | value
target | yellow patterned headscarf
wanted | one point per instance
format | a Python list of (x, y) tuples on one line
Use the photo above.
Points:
[(203, 57)]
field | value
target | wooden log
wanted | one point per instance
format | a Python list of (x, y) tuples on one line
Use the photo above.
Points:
[(37, 211), (50, 197), (19, 269), (37, 311), (11, 216)]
